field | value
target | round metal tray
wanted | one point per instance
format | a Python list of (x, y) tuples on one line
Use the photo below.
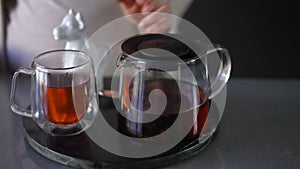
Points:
[(80, 151)]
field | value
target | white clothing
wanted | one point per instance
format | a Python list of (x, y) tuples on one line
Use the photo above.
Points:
[(32, 22)]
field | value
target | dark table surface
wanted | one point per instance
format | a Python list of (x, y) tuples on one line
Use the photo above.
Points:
[(260, 129)]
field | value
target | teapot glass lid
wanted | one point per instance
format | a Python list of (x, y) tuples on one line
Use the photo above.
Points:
[(156, 47)]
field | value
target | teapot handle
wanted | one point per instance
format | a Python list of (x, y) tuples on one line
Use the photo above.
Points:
[(224, 70)]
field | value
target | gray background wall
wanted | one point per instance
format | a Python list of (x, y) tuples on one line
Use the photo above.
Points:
[(262, 36)]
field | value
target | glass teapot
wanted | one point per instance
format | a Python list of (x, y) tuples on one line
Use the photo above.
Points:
[(160, 84)]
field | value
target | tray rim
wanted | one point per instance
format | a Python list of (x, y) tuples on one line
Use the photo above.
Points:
[(83, 163)]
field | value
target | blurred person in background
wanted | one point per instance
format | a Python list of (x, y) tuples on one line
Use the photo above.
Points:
[(26, 26)]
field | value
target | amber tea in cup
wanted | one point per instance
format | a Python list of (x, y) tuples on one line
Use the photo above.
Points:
[(67, 103)]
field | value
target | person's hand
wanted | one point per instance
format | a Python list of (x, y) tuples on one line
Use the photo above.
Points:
[(151, 18)]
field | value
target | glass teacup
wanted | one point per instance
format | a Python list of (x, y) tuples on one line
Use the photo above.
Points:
[(63, 97)]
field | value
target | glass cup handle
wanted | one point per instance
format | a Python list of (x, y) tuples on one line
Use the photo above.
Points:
[(223, 72), (14, 107)]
